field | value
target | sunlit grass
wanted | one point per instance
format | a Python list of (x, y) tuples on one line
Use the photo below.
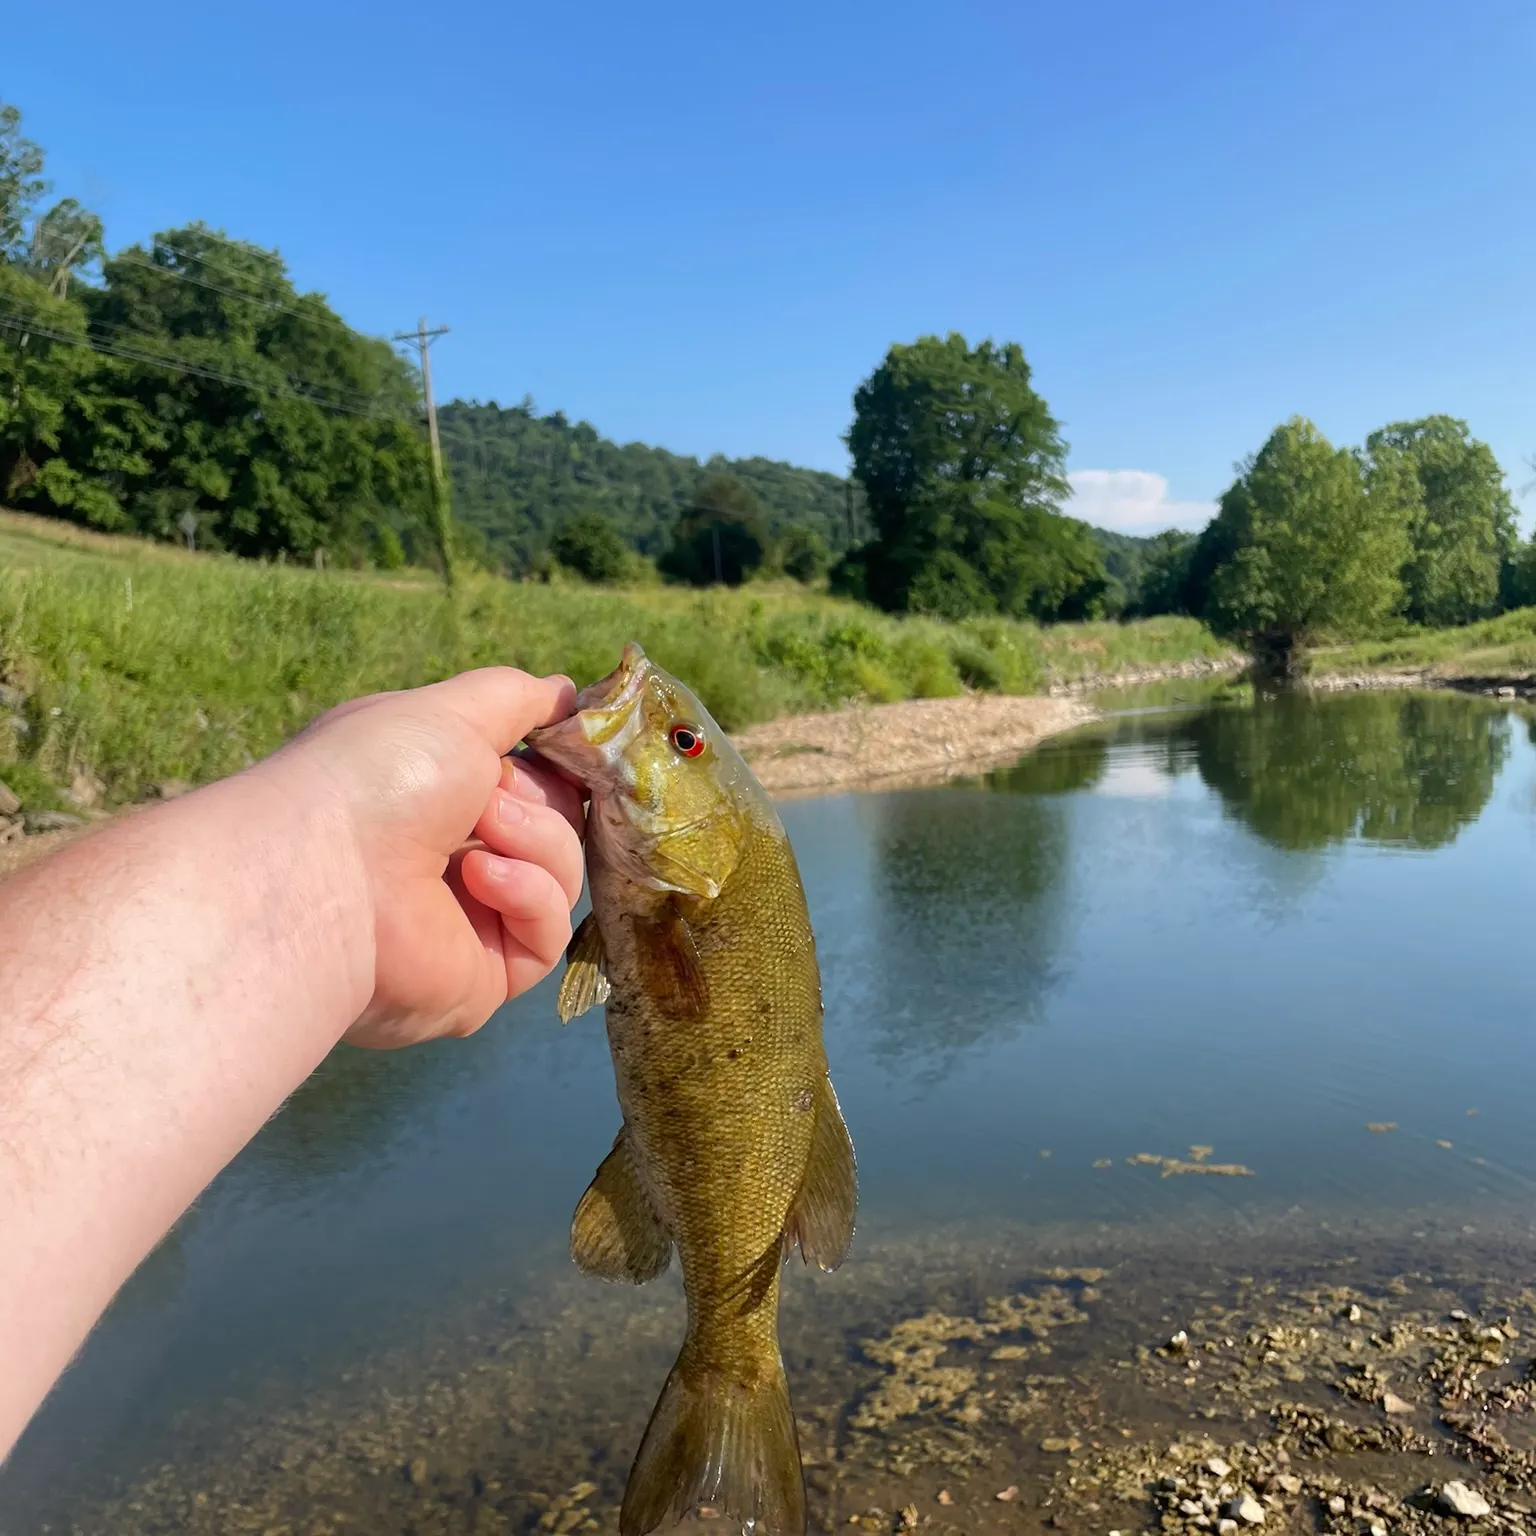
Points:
[(146, 664)]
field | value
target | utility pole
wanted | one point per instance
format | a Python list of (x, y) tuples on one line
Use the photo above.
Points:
[(422, 338)]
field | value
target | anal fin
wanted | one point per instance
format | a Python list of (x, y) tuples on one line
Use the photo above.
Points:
[(585, 983), (821, 1219), (615, 1233)]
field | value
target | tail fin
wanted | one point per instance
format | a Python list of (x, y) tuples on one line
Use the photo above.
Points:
[(712, 1440)]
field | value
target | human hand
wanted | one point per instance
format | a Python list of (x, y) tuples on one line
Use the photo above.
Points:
[(471, 863)]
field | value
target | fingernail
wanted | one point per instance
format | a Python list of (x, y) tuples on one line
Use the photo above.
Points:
[(510, 811)]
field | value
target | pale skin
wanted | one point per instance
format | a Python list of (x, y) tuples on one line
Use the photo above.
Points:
[(166, 982)]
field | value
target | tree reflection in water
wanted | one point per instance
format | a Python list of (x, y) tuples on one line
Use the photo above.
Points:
[(1401, 768)]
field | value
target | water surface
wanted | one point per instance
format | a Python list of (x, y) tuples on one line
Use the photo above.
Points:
[(1251, 928)]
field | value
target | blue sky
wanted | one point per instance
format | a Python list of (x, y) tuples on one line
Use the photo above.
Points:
[(700, 226)]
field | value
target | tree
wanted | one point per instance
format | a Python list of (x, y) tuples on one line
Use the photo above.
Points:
[(588, 544), (720, 536), (1164, 577), (241, 401), (962, 467), (1311, 544), (803, 553), (21, 181), (1461, 522)]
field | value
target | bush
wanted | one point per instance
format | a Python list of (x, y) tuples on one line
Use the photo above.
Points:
[(588, 544)]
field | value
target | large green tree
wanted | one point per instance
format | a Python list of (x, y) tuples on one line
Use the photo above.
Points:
[(1461, 522), (720, 537), (1306, 543), (963, 468)]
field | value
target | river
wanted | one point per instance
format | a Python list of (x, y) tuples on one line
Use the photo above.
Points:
[(1233, 935)]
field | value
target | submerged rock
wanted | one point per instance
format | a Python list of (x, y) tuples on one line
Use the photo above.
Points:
[(1455, 1498)]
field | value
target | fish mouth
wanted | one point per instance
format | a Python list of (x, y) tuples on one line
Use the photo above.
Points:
[(595, 733)]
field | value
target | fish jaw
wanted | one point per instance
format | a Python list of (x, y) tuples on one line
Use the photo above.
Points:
[(589, 745)]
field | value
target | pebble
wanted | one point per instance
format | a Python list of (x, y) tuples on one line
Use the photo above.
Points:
[(51, 821), (1336, 1505), (1226, 1527), (417, 1470), (1354, 1314), (1008, 1495), (1217, 1467), (1247, 1509), (945, 1496), (1392, 1403), (1288, 1483), (1060, 1445), (1457, 1315), (1455, 1498), (1178, 1343)]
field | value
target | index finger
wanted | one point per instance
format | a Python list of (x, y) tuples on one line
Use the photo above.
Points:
[(503, 704)]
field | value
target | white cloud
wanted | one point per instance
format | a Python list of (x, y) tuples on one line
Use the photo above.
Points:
[(1134, 780), (1132, 501)]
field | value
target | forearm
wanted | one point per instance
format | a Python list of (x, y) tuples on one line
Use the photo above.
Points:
[(164, 985)]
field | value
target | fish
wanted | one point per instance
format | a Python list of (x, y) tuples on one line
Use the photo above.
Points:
[(733, 1149)]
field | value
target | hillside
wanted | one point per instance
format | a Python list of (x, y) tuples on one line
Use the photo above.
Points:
[(517, 475)]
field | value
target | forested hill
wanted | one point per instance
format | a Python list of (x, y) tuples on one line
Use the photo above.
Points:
[(518, 475)]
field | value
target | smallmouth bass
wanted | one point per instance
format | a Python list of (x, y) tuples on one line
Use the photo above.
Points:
[(733, 1148)]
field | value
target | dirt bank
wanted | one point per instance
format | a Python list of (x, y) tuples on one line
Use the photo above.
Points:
[(917, 740)]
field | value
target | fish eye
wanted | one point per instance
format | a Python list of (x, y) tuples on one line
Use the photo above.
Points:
[(687, 740)]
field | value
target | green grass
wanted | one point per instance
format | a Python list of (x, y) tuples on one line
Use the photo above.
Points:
[(145, 664), (1501, 647)]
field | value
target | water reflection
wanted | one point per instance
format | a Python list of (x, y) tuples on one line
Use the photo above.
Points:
[(1408, 769), (969, 910)]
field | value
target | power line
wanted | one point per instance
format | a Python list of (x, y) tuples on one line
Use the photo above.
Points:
[(12, 320)]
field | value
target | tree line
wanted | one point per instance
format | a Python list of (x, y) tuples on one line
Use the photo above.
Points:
[(184, 389), (963, 468)]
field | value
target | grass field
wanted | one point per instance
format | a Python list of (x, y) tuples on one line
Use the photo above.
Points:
[(1504, 647), (141, 663)]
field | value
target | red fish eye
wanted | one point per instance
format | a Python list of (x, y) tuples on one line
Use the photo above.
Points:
[(687, 740)]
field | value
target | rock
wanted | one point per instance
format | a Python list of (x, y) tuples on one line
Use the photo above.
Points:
[(1189, 1508), (85, 789), (1354, 1315), (1060, 1445), (1217, 1467), (1455, 1498), (51, 821), (1392, 1403), (1008, 1495), (167, 789), (945, 1496), (1287, 1483), (1336, 1505), (1226, 1527), (1247, 1510), (1506, 693), (10, 827), (10, 801), (1457, 1315), (416, 1472), (1178, 1343)]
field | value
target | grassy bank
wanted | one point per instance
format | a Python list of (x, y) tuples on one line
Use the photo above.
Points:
[(1503, 647), (142, 664)]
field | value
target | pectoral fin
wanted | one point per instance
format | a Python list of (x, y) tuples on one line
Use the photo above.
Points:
[(668, 962), (615, 1233), (821, 1219), (584, 983)]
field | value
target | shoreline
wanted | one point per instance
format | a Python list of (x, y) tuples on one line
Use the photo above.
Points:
[(916, 742)]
